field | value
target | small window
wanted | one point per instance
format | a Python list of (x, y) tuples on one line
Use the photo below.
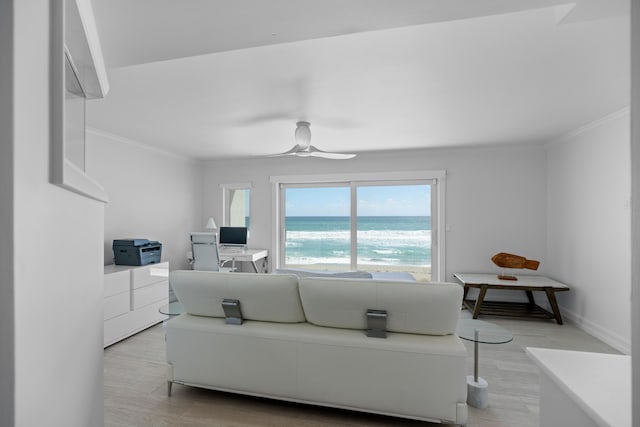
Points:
[(236, 205)]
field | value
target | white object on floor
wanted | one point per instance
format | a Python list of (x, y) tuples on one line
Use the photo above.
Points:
[(477, 392)]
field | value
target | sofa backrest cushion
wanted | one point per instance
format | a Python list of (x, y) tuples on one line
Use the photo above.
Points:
[(265, 297), (417, 308)]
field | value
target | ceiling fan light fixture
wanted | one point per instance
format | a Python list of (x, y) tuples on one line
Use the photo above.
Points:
[(303, 133), (303, 147)]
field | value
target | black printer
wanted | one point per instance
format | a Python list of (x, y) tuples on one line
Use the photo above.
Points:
[(136, 251)]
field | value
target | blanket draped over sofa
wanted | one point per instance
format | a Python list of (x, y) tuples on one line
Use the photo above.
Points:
[(304, 340)]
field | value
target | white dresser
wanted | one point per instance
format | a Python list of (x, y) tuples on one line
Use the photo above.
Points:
[(132, 297)]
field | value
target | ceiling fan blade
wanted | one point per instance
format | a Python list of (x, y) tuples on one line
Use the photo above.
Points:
[(261, 119), (332, 156), (292, 152), (314, 152)]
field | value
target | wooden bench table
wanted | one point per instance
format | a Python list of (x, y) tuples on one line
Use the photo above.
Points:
[(526, 283)]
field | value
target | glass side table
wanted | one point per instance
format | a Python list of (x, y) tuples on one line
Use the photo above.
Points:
[(172, 309), (480, 331)]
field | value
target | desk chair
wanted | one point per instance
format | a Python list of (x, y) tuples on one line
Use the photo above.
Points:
[(204, 250)]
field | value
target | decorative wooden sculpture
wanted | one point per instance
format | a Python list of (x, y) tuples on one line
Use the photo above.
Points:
[(506, 260)]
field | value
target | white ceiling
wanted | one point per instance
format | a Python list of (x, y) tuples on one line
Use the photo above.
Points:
[(229, 78)]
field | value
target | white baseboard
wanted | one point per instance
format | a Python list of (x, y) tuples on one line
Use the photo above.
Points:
[(607, 336)]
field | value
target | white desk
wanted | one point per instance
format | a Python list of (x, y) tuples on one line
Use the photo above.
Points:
[(248, 255)]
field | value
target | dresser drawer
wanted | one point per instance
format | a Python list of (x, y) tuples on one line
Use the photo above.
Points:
[(144, 296), (116, 305), (116, 283), (132, 298), (143, 276)]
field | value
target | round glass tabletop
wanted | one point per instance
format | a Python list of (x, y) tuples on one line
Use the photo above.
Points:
[(172, 309), (487, 333)]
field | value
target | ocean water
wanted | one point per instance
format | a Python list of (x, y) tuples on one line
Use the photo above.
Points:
[(382, 240)]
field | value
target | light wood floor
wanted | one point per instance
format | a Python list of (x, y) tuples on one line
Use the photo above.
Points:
[(135, 386)]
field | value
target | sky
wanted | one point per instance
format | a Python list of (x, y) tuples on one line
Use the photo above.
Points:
[(396, 200)]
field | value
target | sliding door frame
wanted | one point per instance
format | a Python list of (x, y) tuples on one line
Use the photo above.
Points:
[(434, 178)]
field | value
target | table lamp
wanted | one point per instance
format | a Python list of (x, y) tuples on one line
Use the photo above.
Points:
[(211, 225)]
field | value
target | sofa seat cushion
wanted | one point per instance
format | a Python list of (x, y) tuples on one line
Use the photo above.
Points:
[(264, 297), (415, 308), (406, 374)]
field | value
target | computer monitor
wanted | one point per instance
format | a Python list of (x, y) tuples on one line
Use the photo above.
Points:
[(233, 236)]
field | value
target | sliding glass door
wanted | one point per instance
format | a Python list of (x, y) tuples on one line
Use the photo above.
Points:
[(317, 227), (371, 226), (394, 228)]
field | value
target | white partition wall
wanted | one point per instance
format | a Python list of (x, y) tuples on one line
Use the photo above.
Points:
[(53, 289)]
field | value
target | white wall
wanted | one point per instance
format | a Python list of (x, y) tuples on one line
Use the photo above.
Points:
[(152, 194), (589, 227), (495, 197), (57, 251)]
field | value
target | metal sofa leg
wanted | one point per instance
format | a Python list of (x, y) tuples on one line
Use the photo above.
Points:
[(169, 384)]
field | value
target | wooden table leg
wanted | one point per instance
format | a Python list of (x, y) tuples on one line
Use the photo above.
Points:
[(465, 304), (530, 297), (481, 294), (551, 295)]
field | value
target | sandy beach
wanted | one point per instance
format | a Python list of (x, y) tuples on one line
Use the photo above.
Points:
[(422, 274)]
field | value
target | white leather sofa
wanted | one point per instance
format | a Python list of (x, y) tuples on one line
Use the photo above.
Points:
[(305, 340)]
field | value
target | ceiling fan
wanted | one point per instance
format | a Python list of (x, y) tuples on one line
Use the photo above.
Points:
[(303, 147)]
